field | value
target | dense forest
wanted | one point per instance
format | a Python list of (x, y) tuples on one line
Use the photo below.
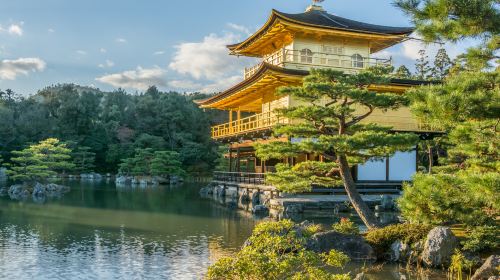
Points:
[(111, 125)]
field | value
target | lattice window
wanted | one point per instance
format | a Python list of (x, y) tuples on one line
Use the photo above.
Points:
[(306, 56), (357, 61)]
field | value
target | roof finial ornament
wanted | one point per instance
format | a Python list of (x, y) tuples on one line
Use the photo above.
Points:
[(315, 6)]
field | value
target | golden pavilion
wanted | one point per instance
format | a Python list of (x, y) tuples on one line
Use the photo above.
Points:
[(289, 45)]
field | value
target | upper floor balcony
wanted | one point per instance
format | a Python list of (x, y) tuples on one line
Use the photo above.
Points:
[(400, 120), (306, 59)]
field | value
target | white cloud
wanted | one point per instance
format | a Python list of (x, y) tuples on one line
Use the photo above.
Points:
[(107, 63), (50, 30), (208, 59), (13, 29), (239, 28), (81, 52), (209, 87), (159, 53), (10, 69), (102, 50), (221, 84), (121, 40), (139, 78), (185, 84)]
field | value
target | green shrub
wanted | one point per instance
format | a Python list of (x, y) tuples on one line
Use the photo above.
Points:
[(276, 250), (381, 239), (482, 238), (346, 226)]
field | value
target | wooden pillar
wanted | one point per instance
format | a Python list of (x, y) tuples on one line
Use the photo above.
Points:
[(230, 120), (238, 160), (230, 160), (238, 120)]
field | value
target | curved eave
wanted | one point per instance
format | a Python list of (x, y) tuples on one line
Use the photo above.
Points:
[(242, 47), (247, 95), (267, 78)]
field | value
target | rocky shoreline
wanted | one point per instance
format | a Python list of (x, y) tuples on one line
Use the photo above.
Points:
[(434, 250), (143, 181), (38, 192)]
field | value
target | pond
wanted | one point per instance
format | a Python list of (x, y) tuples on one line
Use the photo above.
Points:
[(99, 231)]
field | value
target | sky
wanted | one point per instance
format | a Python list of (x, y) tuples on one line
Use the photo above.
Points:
[(175, 45)]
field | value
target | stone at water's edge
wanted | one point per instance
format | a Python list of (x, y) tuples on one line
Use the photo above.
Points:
[(19, 192), (403, 252), (38, 192), (260, 210), (488, 269), (353, 246), (439, 247)]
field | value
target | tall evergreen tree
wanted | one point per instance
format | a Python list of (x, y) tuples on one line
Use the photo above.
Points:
[(442, 65), (422, 66), (83, 159), (332, 123), (453, 20), (402, 72), (467, 106), (166, 163)]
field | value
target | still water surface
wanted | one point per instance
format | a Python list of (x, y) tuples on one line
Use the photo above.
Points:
[(99, 231)]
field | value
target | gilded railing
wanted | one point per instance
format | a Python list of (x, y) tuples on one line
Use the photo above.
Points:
[(249, 124), (318, 59), (267, 120)]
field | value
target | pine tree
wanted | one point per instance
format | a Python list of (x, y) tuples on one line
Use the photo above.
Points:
[(402, 72), (442, 65), (83, 159), (330, 124), (166, 163), (28, 167), (423, 69), (453, 20), (55, 155), (40, 161), (222, 163)]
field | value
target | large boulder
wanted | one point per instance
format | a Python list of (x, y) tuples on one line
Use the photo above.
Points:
[(19, 192), (256, 197), (123, 180), (4, 191), (39, 191), (439, 247), (352, 245), (490, 268), (260, 210), (244, 197), (54, 190)]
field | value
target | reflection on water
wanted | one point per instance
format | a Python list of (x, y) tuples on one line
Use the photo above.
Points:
[(100, 232)]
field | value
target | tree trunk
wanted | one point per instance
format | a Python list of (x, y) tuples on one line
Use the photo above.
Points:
[(357, 202), (431, 158)]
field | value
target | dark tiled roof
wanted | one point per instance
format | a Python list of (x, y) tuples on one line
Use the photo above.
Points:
[(322, 18)]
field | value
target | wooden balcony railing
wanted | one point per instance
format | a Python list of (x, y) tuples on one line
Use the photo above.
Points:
[(318, 59), (241, 177), (267, 120), (255, 122)]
